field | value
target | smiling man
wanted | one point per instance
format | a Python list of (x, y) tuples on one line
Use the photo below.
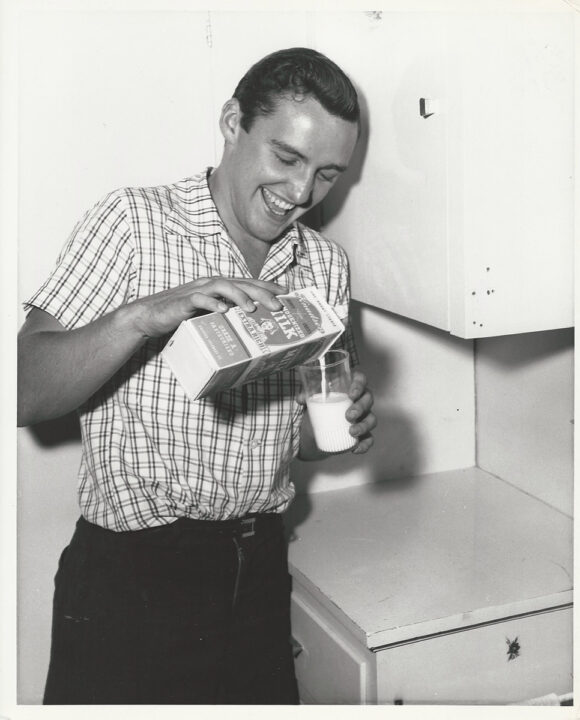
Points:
[(175, 586), (272, 174)]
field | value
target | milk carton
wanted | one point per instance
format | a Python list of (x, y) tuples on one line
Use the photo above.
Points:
[(213, 352)]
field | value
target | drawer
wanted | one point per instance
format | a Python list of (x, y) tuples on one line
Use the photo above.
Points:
[(501, 663), (331, 668)]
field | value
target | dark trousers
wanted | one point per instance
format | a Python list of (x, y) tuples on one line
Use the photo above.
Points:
[(192, 612)]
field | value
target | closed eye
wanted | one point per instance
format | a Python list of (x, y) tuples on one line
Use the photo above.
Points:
[(285, 160), (328, 177)]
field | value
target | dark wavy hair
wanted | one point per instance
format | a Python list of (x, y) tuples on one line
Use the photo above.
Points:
[(296, 73)]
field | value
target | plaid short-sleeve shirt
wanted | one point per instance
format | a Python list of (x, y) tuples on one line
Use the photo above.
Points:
[(149, 454)]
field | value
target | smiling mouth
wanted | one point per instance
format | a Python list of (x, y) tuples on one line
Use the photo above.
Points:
[(275, 204)]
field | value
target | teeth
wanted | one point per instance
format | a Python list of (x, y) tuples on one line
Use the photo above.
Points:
[(277, 202)]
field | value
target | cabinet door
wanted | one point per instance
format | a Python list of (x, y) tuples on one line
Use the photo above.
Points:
[(458, 209), (503, 663), (331, 667), (390, 211), (511, 118)]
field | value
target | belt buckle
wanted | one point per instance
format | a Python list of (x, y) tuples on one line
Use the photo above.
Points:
[(248, 526)]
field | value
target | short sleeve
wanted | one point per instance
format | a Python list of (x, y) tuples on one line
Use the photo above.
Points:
[(93, 272), (340, 293), (331, 271)]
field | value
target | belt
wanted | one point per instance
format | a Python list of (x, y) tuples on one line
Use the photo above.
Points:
[(246, 526), (243, 527)]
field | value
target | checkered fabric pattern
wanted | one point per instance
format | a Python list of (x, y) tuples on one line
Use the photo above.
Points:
[(149, 454)]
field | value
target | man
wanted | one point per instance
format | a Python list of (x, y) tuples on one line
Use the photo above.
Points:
[(175, 588)]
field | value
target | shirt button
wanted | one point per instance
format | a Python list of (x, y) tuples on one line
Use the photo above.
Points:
[(254, 444)]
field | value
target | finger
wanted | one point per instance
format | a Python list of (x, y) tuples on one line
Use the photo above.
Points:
[(358, 385), (200, 301), (301, 398), (360, 407), (265, 293), (364, 427), (246, 294), (363, 446), (229, 292)]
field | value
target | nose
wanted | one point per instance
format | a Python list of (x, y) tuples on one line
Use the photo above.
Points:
[(300, 188)]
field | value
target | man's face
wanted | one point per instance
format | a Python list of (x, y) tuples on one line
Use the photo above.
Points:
[(285, 164)]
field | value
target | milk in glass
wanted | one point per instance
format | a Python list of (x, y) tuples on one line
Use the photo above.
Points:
[(327, 415), (325, 384)]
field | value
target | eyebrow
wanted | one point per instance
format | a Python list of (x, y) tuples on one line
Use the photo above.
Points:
[(289, 149)]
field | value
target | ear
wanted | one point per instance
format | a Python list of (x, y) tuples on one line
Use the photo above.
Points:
[(230, 118)]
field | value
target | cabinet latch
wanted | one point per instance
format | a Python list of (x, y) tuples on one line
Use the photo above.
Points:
[(428, 107)]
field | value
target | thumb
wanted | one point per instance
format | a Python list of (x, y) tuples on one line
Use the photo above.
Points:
[(301, 398)]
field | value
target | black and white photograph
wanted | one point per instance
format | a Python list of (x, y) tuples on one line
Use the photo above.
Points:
[(289, 370)]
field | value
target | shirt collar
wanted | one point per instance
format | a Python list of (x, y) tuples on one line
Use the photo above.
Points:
[(193, 212)]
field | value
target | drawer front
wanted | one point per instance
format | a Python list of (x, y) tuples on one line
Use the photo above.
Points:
[(501, 663), (331, 668)]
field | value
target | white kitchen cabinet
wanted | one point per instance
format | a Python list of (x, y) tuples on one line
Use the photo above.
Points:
[(504, 662), (331, 666), (453, 588), (458, 209)]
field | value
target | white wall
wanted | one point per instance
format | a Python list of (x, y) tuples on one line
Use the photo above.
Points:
[(422, 379), (525, 412)]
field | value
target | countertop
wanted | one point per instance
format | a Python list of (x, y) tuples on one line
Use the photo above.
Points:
[(395, 561)]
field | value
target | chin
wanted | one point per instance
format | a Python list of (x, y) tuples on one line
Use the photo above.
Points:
[(273, 232)]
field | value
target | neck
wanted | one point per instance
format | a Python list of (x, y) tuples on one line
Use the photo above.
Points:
[(255, 258)]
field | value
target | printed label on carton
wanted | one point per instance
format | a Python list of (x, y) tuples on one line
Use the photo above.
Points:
[(220, 351), (221, 339), (295, 322)]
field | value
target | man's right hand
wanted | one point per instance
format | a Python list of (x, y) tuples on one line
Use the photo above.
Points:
[(161, 313), (59, 369)]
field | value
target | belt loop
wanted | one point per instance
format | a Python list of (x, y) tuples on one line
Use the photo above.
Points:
[(248, 527)]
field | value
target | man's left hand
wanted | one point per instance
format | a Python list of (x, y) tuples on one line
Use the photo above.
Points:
[(359, 414)]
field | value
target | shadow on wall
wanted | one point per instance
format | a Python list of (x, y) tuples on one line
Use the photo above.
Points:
[(515, 352), (62, 431), (352, 175), (324, 212), (396, 457)]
